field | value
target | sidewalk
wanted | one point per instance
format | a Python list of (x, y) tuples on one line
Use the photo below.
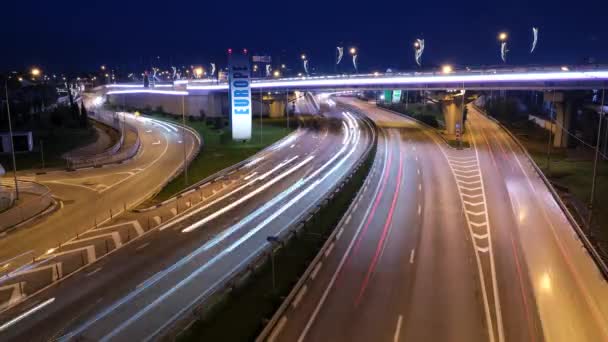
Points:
[(34, 201)]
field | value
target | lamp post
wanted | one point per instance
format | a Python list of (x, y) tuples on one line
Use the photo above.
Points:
[(10, 129), (184, 139), (595, 162), (305, 63), (273, 240), (353, 52), (503, 37)]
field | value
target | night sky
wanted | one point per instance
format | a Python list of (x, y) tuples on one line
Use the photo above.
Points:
[(81, 35)]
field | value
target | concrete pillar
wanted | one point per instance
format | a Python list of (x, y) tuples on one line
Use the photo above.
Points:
[(277, 108), (562, 117)]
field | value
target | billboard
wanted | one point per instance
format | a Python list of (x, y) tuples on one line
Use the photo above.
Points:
[(396, 96), (239, 77), (262, 59)]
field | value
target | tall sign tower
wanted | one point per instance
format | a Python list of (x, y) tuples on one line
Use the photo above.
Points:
[(239, 78)]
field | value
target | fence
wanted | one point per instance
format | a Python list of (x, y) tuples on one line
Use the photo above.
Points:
[(29, 208), (114, 153)]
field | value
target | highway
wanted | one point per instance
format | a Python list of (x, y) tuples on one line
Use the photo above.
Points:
[(451, 245), (182, 255), (88, 195)]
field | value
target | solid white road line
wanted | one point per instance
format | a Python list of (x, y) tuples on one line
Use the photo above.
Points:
[(398, 329), (344, 257), (412, 255)]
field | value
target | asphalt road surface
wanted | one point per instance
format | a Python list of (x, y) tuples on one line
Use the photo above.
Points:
[(451, 245), (91, 196), (159, 274)]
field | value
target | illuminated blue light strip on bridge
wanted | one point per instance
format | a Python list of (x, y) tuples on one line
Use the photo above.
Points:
[(370, 80)]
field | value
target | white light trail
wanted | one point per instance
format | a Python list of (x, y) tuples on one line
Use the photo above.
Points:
[(234, 204), (535, 41), (340, 54), (25, 314), (148, 91)]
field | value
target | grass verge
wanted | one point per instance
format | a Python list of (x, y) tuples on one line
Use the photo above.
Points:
[(242, 314), (57, 141), (219, 151)]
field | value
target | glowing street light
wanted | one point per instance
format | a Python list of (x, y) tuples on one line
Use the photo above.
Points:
[(35, 72), (503, 36), (353, 52), (276, 73), (305, 62), (103, 67), (447, 69), (198, 71)]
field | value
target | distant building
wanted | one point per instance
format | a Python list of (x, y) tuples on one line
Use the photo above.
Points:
[(23, 142)]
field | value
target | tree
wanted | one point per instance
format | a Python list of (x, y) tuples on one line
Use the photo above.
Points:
[(83, 115)]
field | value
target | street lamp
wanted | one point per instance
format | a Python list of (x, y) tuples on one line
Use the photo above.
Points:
[(305, 62), (198, 71), (353, 52), (503, 37), (35, 72), (447, 69), (276, 73)]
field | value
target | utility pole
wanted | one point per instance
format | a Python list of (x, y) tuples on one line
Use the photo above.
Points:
[(261, 117), (184, 139), (595, 162), (10, 129), (550, 135), (42, 152)]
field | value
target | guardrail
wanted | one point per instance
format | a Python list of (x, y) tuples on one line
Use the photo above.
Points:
[(113, 154), (595, 255), (247, 268), (29, 209), (270, 326), (216, 176)]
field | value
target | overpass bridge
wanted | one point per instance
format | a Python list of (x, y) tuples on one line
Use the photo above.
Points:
[(529, 78)]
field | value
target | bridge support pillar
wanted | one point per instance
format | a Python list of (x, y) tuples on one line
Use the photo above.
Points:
[(561, 115)]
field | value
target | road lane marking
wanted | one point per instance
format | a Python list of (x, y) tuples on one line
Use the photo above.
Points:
[(299, 296), (25, 314), (419, 187), (316, 270), (348, 219), (278, 329), (329, 249), (142, 246), (339, 233), (412, 255), (419, 209), (93, 272), (398, 329)]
